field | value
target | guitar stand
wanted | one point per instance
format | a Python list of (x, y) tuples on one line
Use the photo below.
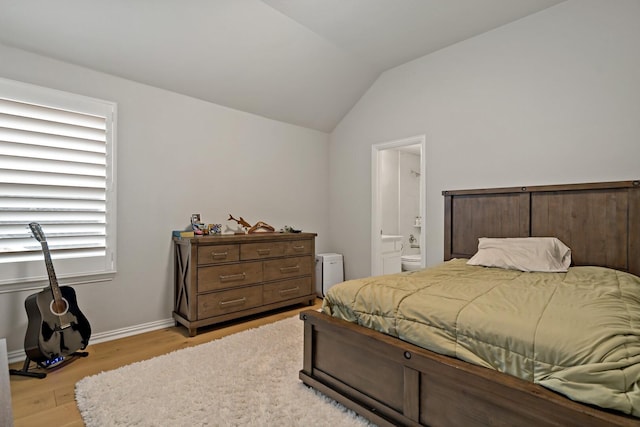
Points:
[(25, 368)]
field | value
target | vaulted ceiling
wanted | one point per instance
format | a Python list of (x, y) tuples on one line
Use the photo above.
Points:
[(305, 62)]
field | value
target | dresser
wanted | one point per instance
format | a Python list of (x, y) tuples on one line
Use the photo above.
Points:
[(224, 277)]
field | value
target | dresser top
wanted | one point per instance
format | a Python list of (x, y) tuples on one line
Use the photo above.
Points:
[(242, 238)]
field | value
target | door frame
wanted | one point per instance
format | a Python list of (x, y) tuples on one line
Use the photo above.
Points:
[(376, 214)]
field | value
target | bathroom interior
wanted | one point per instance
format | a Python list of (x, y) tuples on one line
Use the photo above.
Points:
[(400, 197)]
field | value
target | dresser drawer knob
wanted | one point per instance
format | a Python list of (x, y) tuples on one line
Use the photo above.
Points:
[(235, 301), (289, 269), (232, 277), (288, 291), (298, 248), (264, 251)]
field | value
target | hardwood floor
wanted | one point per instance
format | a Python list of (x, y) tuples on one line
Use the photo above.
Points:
[(51, 401)]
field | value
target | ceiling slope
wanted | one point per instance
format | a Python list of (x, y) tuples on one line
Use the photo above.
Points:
[(304, 62)]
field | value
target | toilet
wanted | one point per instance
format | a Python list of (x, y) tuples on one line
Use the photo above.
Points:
[(411, 262)]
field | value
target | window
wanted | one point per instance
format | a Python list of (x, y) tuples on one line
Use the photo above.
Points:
[(57, 168)]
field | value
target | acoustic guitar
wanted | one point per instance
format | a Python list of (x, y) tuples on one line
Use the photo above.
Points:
[(56, 327)]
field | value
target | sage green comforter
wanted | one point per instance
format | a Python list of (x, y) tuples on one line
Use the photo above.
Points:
[(577, 333)]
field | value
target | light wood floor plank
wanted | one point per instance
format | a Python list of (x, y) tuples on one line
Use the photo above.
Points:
[(62, 415), (32, 402), (51, 401)]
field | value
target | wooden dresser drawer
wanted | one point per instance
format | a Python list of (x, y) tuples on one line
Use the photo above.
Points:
[(229, 276), (215, 254), (287, 267), (218, 303), (262, 250), (300, 247), (287, 289)]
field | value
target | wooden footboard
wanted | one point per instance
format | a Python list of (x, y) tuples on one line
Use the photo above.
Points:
[(391, 382)]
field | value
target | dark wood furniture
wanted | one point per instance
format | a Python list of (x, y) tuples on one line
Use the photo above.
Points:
[(224, 277), (391, 382)]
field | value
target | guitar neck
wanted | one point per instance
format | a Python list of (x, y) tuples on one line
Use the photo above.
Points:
[(53, 281)]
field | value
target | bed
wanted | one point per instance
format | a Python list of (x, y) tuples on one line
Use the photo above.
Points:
[(393, 382)]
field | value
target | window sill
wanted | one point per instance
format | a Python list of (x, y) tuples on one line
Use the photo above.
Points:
[(39, 284)]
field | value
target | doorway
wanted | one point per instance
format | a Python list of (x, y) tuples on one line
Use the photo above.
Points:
[(398, 183)]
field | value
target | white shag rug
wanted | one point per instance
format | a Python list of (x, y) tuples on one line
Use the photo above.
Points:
[(245, 379)]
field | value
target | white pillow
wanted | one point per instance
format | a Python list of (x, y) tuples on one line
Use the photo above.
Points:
[(546, 254)]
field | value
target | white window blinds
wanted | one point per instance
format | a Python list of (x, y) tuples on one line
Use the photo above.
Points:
[(56, 169)]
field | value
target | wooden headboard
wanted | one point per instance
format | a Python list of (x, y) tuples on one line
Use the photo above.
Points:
[(600, 222)]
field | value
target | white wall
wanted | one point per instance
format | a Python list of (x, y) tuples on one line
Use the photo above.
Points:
[(176, 156), (552, 98)]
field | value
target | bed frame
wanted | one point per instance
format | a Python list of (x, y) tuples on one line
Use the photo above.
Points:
[(391, 382)]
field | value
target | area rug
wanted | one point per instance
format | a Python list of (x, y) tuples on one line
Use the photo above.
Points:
[(245, 379)]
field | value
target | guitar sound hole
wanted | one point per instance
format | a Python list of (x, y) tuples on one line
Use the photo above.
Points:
[(59, 307)]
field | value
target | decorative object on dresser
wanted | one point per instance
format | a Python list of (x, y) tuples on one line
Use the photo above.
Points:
[(224, 277), (258, 227), (56, 328), (241, 221)]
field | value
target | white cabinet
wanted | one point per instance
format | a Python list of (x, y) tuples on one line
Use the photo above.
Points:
[(391, 251)]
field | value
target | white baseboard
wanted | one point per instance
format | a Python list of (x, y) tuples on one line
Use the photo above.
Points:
[(19, 355)]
